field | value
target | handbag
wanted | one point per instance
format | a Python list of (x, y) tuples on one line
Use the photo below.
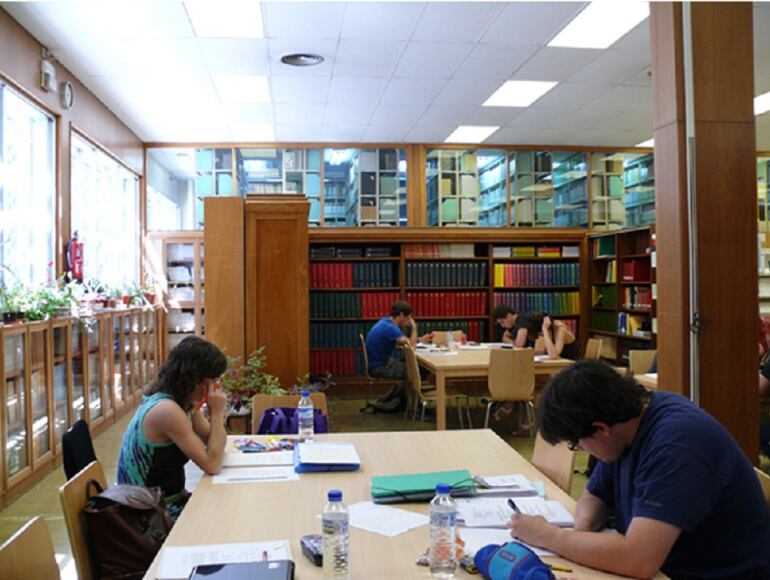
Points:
[(285, 421), (126, 527)]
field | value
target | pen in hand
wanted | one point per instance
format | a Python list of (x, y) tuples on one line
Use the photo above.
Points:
[(513, 506)]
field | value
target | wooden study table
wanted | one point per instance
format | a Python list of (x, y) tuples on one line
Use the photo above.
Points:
[(649, 380), (469, 363), (254, 512)]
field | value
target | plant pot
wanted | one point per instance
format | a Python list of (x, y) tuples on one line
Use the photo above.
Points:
[(127, 300), (113, 303), (150, 297), (11, 317)]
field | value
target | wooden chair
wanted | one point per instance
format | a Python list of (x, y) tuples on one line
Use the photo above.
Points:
[(441, 337), (74, 496), (764, 481), (555, 461), (639, 361), (593, 348), (372, 380), (512, 378), (421, 394), (260, 403), (29, 553)]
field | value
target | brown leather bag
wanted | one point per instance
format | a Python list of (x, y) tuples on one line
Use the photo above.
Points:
[(127, 525)]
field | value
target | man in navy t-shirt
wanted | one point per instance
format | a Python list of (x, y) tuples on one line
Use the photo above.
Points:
[(385, 336), (685, 497)]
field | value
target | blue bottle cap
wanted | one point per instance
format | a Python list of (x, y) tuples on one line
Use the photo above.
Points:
[(443, 488), (335, 495), (305, 393)]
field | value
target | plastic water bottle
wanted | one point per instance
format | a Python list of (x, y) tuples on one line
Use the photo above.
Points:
[(335, 533), (305, 417), (450, 340), (443, 524)]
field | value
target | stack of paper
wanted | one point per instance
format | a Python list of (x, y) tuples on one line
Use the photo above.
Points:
[(494, 512), (178, 561), (255, 474), (504, 486), (246, 459), (317, 456)]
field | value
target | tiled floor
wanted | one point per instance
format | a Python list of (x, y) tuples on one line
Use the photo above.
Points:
[(43, 499)]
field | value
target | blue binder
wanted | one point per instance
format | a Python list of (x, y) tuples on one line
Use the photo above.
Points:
[(322, 457)]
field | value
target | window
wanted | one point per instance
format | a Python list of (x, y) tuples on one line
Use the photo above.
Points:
[(27, 190), (105, 213)]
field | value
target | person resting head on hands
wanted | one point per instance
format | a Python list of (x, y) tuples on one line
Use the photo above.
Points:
[(168, 429), (558, 339)]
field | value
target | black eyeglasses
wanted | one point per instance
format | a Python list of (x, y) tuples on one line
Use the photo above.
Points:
[(573, 445)]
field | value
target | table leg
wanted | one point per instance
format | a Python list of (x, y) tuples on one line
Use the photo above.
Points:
[(440, 401)]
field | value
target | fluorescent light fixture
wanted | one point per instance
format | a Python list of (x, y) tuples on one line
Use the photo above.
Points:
[(601, 23), (648, 143), (470, 134), (225, 18), (518, 93), (762, 104), (242, 88)]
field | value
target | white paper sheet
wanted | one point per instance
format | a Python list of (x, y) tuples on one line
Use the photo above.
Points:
[(542, 357), (255, 474), (241, 459), (477, 538), (442, 353), (178, 561), (494, 512), (505, 485), (551, 510), (328, 453), (474, 347), (651, 375), (384, 520)]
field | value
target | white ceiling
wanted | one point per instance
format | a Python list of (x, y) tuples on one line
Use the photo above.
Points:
[(393, 71)]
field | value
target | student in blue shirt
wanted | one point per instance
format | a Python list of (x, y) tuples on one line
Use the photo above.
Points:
[(385, 336), (685, 497)]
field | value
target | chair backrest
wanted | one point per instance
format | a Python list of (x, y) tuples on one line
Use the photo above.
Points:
[(77, 448), (639, 361), (413, 378), (593, 348), (74, 496), (511, 374), (366, 356), (555, 461), (260, 403), (29, 553), (764, 481), (441, 337)]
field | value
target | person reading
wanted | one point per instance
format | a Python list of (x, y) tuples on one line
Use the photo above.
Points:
[(558, 339), (685, 496), (168, 428), (388, 333), (513, 333)]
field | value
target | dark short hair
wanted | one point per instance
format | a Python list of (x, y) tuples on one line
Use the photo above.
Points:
[(400, 307), (189, 362), (501, 311), (587, 391)]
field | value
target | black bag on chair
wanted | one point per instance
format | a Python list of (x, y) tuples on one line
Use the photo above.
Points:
[(78, 449), (127, 525)]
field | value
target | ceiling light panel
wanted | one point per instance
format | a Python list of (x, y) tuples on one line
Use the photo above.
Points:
[(242, 88), (601, 23), (762, 104), (648, 143), (225, 18), (519, 93), (470, 134)]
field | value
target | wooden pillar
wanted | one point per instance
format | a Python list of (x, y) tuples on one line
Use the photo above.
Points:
[(723, 169)]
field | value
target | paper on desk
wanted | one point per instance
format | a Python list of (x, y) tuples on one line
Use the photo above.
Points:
[(477, 538), (442, 353), (176, 562), (542, 357), (474, 347), (385, 520), (494, 512), (241, 459), (328, 453), (513, 480), (551, 510), (255, 474), (651, 375)]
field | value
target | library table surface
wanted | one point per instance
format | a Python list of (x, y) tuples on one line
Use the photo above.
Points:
[(470, 363), (254, 512)]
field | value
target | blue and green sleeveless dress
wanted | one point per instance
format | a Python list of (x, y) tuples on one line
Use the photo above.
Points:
[(142, 462)]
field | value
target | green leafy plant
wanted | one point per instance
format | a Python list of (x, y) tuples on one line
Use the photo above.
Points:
[(243, 381), (313, 383)]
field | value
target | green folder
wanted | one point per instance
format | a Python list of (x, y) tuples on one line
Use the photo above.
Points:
[(420, 486)]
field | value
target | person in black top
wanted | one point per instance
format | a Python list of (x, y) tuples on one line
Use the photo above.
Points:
[(512, 332), (558, 339)]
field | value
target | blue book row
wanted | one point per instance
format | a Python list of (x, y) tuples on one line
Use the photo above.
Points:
[(454, 274), (337, 334), (556, 303)]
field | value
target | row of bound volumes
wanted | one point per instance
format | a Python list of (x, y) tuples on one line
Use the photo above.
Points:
[(556, 303), (448, 303), (352, 275), (351, 304), (457, 274), (632, 325), (564, 274), (346, 251), (338, 362), (637, 298), (636, 270), (438, 250), (570, 323), (475, 330), (337, 334)]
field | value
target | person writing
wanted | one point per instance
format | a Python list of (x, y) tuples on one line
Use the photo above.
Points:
[(168, 428), (558, 339), (382, 340), (685, 496), (513, 333)]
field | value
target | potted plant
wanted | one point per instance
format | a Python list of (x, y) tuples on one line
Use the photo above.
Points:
[(13, 302), (313, 383), (242, 381)]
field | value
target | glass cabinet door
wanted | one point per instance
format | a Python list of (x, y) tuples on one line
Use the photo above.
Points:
[(105, 364), (181, 273), (136, 350), (151, 349), (15, 412), (94, 373), (119, 384), (128, 374), (78, 378), (60, 419), (38, 378)]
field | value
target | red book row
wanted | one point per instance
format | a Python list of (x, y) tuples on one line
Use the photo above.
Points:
[(377, 304), (448, 303), (337, 362)]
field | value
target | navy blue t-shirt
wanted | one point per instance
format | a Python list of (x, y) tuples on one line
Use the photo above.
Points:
[(683, 468), (381, 342)]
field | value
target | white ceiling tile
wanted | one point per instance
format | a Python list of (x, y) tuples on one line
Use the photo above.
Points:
[(251, 114), (530, 23), (761, 75), (761, 42), (297, 133), (303, 19), (252, 133), (510, 136), (357, 114), (279, 47), (577, 121), (462, 21), (367, 58), (555, 64), (612, 66), (640, 120), (638, 38), (431, 60), (298, 114), (380, 20), (470, 93), (344, 90), (571, 95), (113, 57), (641, 79), (623, 99), (289, 89), (397, 114), (492, 61), (429, 133), (491, 116), (538, 117), (173, 57), (386, 133), (549, 136), (235, 56), (446, 115), (342, 133), (608, 138), (412, 91)]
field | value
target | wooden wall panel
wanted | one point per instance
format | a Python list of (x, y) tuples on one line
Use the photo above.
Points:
[(223, 240)]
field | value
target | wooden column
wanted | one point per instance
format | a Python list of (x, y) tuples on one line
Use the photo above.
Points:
[(723, 170)]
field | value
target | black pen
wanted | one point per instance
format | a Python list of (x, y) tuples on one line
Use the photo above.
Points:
[(513, 506)]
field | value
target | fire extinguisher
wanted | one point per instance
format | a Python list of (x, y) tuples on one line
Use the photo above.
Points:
[(75, 257)]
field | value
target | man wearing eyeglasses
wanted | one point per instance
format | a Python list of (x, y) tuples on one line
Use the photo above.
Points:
[(685, 497)]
